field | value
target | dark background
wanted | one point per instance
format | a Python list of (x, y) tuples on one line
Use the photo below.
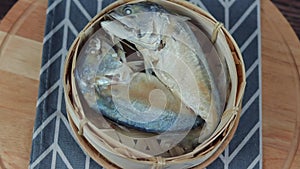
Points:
[(5, 5), (291, 10)]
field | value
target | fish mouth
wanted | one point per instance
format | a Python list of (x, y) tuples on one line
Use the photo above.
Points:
[(121, 20)]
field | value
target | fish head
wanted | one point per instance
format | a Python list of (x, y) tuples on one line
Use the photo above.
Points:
[(140, 23)]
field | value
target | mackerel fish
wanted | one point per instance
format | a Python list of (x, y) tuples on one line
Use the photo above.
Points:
[(172, 54), (113, 85)]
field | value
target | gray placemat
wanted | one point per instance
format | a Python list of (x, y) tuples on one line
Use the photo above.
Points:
[(53, 144)]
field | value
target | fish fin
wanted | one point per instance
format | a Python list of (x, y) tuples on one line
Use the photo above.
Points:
[(121, 53), (181, 18), (136, 66), (148, 67)]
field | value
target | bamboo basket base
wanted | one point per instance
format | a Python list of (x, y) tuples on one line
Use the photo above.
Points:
[(95, 155)]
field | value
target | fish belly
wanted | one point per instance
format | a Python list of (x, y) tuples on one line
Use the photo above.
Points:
[(148, 105)]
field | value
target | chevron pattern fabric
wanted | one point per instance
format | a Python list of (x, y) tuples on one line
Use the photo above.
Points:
[(53, 144)]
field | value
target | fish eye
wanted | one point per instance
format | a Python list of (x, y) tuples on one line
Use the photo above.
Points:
[(127, 11)]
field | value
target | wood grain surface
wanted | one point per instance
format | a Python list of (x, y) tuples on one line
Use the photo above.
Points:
[(281, 92), (21, 36)]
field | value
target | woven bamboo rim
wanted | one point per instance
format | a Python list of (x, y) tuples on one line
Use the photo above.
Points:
[(210, 149)]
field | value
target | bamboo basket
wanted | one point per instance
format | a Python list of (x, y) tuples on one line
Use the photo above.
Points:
[(108, 152)]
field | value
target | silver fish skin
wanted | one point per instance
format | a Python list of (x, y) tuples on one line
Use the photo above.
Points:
[(99, 63), (104, 75), (171, 50), (139, 106)]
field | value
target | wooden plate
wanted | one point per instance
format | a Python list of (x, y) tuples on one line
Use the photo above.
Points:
[(281, 92), (21, 37), (280, 58)]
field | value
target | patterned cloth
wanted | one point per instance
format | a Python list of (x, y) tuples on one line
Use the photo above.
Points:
[(53, 144)]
